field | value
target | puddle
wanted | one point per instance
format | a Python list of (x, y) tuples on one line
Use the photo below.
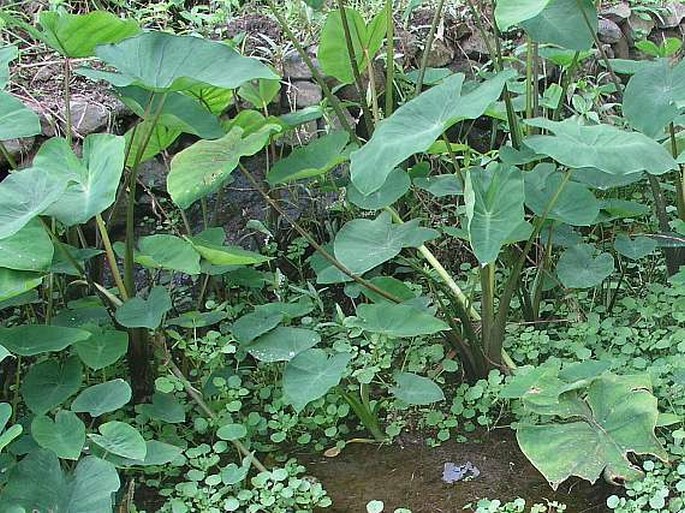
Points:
[(410, 475)]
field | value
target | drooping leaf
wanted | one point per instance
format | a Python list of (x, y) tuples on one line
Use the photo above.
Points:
[(168, 252), (394, 188), (333, 54), (77, 35), (30, 249), (164, 62), (362, 244), (145, 313), (7, 55), (416, 125), (178, 112), (102, 398), (440, 185), (157, 453), (578, 268), (25, 195), (390, 285), (603, 147), (16, 119), (120, 439), (282, 344), (494, 208), (203, 167), (92, 181), (574, 203), (562, 23), (15, 283), (634, 248), (416, 390), (65, 436), (38, 483), (619, 418), (596, 179), (314, 159), (102, 349), (7, 434), (654, 96), (49, 383), (250, 326), (208, 246), (397, 320), (33, 339), (311, 374)]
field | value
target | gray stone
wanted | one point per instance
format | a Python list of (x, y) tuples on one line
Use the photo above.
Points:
[(671, 15), (153, 174), (474, 47), (88, 117), (304, 94), (640, 25), (294, 67), (18, 148), (609, 32), (617, 13), (440, 54)]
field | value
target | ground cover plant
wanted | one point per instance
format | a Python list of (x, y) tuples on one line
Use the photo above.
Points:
[(447, 252)]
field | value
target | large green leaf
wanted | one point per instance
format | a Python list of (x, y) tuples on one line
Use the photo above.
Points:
[(311, 374), (394, 188), (416, 390), (634, 248), (209, 244), (282, 344), (7, 55), (14, 283), (204, 167), (165, 407), (16, 119), (416, 125), (250, 326), (120, 439), (260, 93), (102, 398), (102, 349), (562, 23), (168, 252), (362, 244), (33, 339), (333, 54), (65, 436), (138, 312), (77, 35), (314, 159), (512, 12), (603, 147), (397, 320), (30, 249), (93, 180), (162, 62), (578, 268), (49, 383), (574, 204), (24, 195), (178, 111), (494, 208), (654, 96), (38, 483), (617, 417)]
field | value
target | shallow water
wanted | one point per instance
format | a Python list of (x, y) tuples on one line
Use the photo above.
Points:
[(409, 475)]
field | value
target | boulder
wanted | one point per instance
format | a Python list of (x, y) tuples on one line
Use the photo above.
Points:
[(608, 31)]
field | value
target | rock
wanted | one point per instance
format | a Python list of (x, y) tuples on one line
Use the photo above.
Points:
[(304, 94), (153, 174), (294, 67), (671, 15), (88, 117), (609, 32), (474, 47), (618, 13), (440, 54), (640, 25), (18, 148)]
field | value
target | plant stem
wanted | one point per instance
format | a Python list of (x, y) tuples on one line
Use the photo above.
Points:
[(680, 192), (332, 99), (8, 158), (487, 285), (67, 101), (389, 59), (429, 45), (368, 121), (111, 258)]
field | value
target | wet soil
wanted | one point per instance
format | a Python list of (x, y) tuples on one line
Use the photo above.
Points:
[(409, 475)]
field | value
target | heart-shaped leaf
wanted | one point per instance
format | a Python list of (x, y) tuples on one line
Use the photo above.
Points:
[(102, 398), (49, 383), (397, 320), (311, 374), (578, 268), (282, 344), (634, 248), (563, 23), (102, 348), (144, 313), (65, 436), (92, 181), (33, 339), (165, 407), (512, 12), (416, 390), (416, 125), (168, 252), (120, 439)]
